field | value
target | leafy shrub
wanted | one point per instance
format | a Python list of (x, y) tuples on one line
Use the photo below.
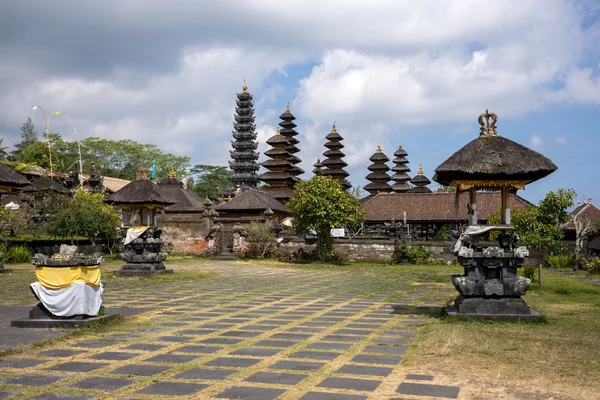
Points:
[(262, 243), (17, 254), (415, 255), (442, 234), (529, 272), (593, 265), (560, 261)]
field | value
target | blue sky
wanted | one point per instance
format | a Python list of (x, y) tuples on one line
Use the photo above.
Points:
[(389, 72)]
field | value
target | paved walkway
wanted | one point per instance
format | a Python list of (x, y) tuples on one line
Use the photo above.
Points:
[(251, 333)]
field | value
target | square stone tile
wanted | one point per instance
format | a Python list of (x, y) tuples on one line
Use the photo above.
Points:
[(145, 346), (122, 336), (100, 383), (77, 366), (276, 378), (114, 356), (376, 359), (342, 338), (34, 380), (364, 370), (297, 365), (222, 340), (315, 355), (5, 394), (393, 341), (331, 396), (173, 388), (330, 346), (217, 326), (93, 345), (349, 383), (415, 377), (19, 363), (60, 353), (261, 328), (251, 351), (171, 358), (250, 393), (197, 332), (386, 349), (419, 389), (140, 369), (174, 339), (245, 334), (275, 343), (197, 349), (52, 396), (233, 362), (345, 331), (209, 374), (291, 336)]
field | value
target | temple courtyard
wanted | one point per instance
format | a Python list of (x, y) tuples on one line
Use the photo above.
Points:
[(267, 330)]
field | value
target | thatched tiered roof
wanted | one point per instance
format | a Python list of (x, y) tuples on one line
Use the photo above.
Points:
[(11, 179), (187, 200), (45, 183), (251, 200), (140, 192), (378, 177)]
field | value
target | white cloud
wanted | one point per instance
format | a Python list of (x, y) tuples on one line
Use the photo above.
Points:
[(536, 142), (561, 141)]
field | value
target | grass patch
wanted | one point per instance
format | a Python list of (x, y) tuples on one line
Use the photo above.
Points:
[(561, 353)]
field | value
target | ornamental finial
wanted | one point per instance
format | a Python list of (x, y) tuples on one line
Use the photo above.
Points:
[(287, 108), (333, 130), (171, 174), (420, 169), (379, 150), (488, 128), (278, 132), (245, 87)]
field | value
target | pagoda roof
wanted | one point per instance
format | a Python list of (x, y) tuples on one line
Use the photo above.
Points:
[(277, 139), (140, 192), (252, 200), (400, 152), (187, 200), (10, 178)]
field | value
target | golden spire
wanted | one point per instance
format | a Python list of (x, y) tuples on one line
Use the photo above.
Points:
[(171, 174), (379, 150), (278, 132), (287, 108), (420, 169), (245, 87), (333, 130)]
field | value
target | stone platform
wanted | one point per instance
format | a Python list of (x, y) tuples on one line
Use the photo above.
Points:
[(44, 323), (532, 316), (142, 269)]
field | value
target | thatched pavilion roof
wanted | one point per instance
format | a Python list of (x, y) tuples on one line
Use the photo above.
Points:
[(45, 183), (10, 178), (493, 158), (140, 192)]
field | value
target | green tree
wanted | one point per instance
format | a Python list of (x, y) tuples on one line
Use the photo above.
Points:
[(84, 215), (321, 204), (37, 153), (28, 137), (12, 222), (210, 180)]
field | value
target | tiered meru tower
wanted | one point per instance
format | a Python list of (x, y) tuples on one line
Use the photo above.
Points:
[(279, 180), (318, 170), (287, 130), (378, 177), (420, 181), (244, 155), (401, 170), (333, 163)]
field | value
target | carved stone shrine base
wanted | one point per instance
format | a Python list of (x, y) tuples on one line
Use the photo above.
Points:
[(142, 269), (489, 308), (40, 317)]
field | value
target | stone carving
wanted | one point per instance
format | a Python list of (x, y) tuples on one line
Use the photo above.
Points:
[(145, 252), (215, 238), (239, 235)]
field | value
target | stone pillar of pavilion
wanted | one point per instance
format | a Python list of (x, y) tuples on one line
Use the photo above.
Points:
[(287, 130), (490, 286), (244, 156), (9, 180), (401, 171), (378, 177), (333, 163), (279, 180), (140, 202)]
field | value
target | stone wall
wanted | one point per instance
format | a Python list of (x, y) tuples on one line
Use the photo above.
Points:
[(184, 233)]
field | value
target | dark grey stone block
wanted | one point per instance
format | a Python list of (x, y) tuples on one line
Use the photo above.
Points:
[(114, 356), (209, 374), (393, 341), (261, 328), (349, 383), (276, 378), (76, 366), (329, 346), (34, 380), (104, 384), (233, 362), (174, 339), (20, 363), (217, 326), (331, 396), (93, 345), (361, 332), (123, 336), (415, 377), (342, 338), (5, 394), (198, 349), (373, 359), (171, 358), (419, 389), (291, 336), (245, 334), (52, 396), (250, 351), (145, 346), (60, 353), (364, 370), (196, 332), (297, 365), (400, 350), (173, 388), (315, 355), (250, 393), (140, 369), (46, 323), (275, 343), (222, 340)]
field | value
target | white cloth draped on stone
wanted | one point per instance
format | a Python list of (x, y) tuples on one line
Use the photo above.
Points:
[(77, 299), (133, 233), (472, 230)]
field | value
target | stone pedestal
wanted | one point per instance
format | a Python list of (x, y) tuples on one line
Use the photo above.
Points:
[(490, 287), (144, 255)]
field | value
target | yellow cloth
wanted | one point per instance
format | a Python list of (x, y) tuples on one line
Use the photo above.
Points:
[(59, 278)]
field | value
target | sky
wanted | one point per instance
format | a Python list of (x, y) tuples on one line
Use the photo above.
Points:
[(387, 72)]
